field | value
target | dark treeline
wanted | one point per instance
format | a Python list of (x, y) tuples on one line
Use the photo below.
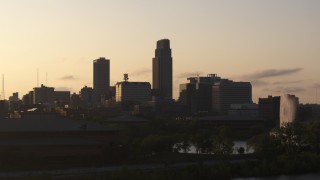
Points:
[(290, 149)]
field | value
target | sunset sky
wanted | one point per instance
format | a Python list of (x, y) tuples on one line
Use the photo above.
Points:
[(275, 44)]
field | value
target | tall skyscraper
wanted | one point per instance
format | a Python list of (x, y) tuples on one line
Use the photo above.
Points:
[(101, 79), (162, 71)]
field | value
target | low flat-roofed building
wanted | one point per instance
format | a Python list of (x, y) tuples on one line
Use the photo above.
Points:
[(247, 110), (133, 91), (227, 92)]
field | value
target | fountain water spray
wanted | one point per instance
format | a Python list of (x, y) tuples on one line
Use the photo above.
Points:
[(288, 108)]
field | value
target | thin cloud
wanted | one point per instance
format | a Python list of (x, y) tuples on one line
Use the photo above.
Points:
[(186, 75), (294, 89), (68, 78), (286, 82), (285, 90), (270, 73), (316, 85), (258, 83), (141, 72), (63, 88)]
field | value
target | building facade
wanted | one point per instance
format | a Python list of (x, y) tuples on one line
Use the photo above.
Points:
[(43, 95), (162, 71), (86, 95), (227, 92), (62, 98), (269, 108), (244, 110), (133, 92), (101, 79), (197, 94)]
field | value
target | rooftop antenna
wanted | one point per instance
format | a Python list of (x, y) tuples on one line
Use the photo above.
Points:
[(46, 78), (3, 87), (316, 99), (125, 77)]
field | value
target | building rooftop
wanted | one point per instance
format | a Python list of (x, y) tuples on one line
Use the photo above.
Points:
[(133, 83)]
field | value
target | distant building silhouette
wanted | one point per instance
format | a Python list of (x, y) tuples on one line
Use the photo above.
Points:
[(227, 92), (43, 95), (112, 92), (61, 98), (162, 71), (3, 108), (14, 101), (47, 96), (269, 108), (101, 79), (197, 94), (133, 91), (76, 102), (86, 95), (27, 99)]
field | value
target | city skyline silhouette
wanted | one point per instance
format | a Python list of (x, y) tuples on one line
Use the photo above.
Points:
[(274, 45)]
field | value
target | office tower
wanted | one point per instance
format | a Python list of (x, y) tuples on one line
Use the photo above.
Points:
[(197, 94), (227, 92), (162, 71), (269, 108), (188, 97), (101, 79), (86, 95), (61, 98), (43, 95)]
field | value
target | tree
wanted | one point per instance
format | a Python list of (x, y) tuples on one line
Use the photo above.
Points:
[(222, 145), (312, 136), (156, 144), (241, 150)]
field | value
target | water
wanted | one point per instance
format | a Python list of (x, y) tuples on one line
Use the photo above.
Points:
[(236, 146), (288, 108)]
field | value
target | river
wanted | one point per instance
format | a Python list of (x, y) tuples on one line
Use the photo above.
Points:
[(236, 146)]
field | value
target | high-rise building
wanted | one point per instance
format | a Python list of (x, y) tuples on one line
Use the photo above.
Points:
[(101, 79), (162, 71), (86, 95)]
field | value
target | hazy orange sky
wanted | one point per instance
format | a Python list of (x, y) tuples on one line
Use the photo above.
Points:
[(275, 44)]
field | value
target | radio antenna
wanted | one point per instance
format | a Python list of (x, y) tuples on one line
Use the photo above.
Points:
[(37, 77), (3, 87)]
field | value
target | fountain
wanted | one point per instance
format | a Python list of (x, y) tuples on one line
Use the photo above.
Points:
[(288, 108)]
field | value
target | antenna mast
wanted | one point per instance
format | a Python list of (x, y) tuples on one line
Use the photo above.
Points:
[(37, 77), (3, 87)]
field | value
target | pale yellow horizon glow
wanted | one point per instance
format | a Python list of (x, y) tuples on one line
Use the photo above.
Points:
[(274, 44)]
